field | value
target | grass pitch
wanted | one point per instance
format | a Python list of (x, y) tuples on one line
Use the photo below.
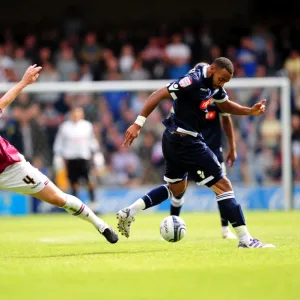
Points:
[(60, 257)]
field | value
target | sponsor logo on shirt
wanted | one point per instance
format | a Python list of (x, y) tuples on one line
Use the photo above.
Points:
[(205, 103), (211, 115), (186, 81)]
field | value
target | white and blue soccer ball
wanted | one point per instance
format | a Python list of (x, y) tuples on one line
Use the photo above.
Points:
[(172, 229)]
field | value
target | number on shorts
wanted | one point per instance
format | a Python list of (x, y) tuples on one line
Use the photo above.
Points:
[(201, 174), (29, 180)]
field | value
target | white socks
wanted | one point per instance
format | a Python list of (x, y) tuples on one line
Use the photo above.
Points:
[(137, 206), (225, 229), (75, 207), (177, 202), (243, 233)]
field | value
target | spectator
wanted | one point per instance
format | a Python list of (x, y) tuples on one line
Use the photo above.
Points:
[(21, 62), (6, 62), (26, 134), (215, 52), (31, 48), (44, 56), (66, 65), (137, 101), (91, 52), (246, 57), (292, 64), (138, 72), (152, 55), (178, 55), (85, 73), (126, 162), (126, 60), (150, 174), (205, 42), (115, 99), (49, 74), (270, 130)]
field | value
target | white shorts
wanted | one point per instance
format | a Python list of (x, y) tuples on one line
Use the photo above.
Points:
[(22, 178)]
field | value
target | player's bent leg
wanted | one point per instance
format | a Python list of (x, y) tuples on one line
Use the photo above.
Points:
[(126, 215), (178, 191), (220, 187), (74, 206), (231, 210)]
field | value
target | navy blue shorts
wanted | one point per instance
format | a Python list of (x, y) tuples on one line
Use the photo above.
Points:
[(219, 154), (189, 156)]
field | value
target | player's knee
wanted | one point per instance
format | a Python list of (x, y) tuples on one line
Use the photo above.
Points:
[(178, 200), (222, 186), (178, 189), (57, 199)]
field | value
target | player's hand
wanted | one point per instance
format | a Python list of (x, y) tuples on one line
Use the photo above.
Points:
[(231, 157), (31, 75), (258, 108), (131, 133)]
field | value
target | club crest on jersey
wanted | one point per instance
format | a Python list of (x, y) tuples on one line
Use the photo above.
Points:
[(186, 81), (205, 103), (210, 115)]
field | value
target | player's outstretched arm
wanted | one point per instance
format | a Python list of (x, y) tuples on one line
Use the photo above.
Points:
[(154, 99), (30, 76), (229, 131), (236, 109)]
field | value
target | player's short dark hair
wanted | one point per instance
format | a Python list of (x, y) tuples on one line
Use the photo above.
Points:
[(224, 63)]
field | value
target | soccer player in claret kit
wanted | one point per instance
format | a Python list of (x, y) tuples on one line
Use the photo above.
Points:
[(18, 175), (184, 149)]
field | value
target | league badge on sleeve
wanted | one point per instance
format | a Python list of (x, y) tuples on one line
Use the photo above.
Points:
[(186, 81)]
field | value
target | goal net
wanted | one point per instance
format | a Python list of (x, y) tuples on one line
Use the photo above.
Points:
[(264, 161)]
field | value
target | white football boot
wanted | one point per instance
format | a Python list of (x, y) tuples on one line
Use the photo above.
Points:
[(125, 220), (254, 243)]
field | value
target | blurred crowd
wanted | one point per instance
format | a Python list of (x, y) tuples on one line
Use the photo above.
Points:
[(78, 55)]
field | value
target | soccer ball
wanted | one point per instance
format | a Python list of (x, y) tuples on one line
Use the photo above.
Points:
[(172, 229)]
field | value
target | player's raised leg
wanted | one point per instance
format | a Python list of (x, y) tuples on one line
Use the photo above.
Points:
[(23, 178), (126, 215), (175, 176), (74, 206)]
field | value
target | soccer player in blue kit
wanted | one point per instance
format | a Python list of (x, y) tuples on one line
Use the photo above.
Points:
[(216, 123), (212, 138), (184, 149)]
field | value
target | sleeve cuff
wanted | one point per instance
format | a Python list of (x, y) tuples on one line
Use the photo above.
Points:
[(221, 100)]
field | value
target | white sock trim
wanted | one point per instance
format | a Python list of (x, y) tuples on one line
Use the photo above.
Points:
[(177, 202), (226, 195)]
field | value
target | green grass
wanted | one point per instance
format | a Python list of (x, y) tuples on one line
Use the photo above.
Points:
[(60, 257)]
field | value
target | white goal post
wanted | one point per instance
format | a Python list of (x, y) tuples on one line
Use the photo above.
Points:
[(282, 83)]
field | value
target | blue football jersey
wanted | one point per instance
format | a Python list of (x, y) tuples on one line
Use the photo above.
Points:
[(192, 94), (212, 133)]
